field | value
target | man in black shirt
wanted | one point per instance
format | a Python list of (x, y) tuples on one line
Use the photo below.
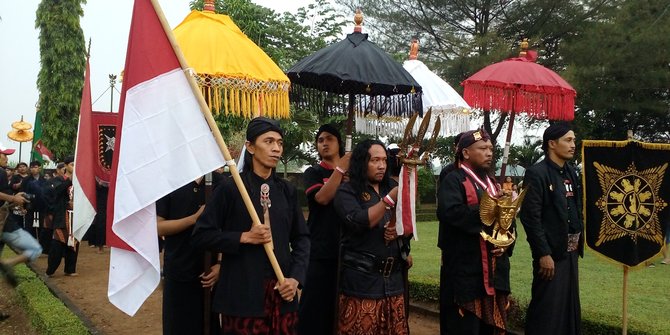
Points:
[(371, 289), (551, 216), (317, 303), (183, 270), (34, 184), (248, 295), (63, 244)]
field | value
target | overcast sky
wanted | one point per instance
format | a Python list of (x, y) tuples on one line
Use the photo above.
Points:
[(105, 22)]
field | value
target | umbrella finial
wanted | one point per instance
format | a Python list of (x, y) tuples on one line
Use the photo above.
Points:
[(209, 6), (524, 48), (358, 20), (414, 49)]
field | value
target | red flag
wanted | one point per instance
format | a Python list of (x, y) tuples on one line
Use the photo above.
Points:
[(83, 180), (162, 143), (44, 151)]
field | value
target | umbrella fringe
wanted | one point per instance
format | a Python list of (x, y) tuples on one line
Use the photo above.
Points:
[(452, 123), (245, 97), (327, 103), (538, 102)]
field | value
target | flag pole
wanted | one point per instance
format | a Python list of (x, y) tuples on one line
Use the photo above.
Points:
[(624, 318), (217, 135)]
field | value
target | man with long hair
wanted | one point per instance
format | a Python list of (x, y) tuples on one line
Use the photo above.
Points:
[(474, 278), (371, 298), (248, 295), (317, 303)]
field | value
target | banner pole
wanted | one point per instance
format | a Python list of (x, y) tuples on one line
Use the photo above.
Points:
[(219, 139), (624, 318)]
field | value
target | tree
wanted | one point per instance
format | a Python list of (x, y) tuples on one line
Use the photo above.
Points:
[(294, 136), (444, 150), (527, 153), (620, 69), (61, 77)]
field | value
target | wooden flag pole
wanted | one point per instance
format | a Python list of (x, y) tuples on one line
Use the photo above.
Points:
[(217, 135), (624, 327), (624, 309)]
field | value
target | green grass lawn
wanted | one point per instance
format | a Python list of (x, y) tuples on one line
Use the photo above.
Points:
[(600, 280)]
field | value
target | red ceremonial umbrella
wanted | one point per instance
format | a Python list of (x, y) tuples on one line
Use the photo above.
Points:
[(519, 85)]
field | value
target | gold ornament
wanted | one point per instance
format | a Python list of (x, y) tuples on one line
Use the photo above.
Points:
[(499, 214)]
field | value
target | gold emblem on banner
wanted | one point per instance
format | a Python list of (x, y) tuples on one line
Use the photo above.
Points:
[(630, 203)]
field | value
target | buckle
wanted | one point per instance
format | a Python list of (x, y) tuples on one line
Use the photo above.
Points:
[(388, 266)]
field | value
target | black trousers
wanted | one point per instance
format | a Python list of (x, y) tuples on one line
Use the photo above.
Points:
[(59, 250), (46, 235), (183, 309), (319, 296)]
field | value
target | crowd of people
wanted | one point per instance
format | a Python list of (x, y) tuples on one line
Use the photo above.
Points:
[(345, 267)]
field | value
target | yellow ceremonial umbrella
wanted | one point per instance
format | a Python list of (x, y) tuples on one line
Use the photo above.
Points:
[(21, 133), (233, 72)]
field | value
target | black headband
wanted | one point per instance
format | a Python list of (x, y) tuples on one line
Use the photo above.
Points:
[(260, 126)]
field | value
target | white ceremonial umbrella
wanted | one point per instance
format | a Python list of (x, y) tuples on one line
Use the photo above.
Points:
[(437, 94)]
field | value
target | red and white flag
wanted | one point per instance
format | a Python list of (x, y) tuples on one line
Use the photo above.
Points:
[(405, 209), (83, 180), (44, 151), (162, 143)]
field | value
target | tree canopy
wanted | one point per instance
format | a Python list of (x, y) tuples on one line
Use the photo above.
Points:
[(61, 76)]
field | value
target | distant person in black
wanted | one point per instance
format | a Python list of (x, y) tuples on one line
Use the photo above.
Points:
[(183, 265), (319, 296), (248, 295), (34, 184), (46, 235), (63, 244), (552, 217), (20, 173)]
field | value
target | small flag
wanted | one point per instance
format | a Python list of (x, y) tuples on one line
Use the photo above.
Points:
[(43, 151)]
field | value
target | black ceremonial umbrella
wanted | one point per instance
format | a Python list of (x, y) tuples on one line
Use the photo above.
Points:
[(355, 67)]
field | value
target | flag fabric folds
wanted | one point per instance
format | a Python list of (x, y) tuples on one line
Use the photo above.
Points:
[(162, 143), (405, 206), (83, 180), (41, 152), (626, 196)]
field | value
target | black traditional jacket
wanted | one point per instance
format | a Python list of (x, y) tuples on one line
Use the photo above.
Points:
[(545, 210), (245, 268), (459, 240)]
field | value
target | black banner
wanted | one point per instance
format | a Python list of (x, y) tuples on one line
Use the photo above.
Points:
[(105, 128), (626, 196)]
